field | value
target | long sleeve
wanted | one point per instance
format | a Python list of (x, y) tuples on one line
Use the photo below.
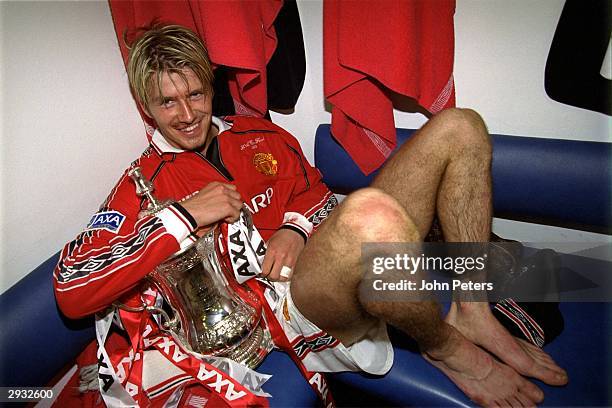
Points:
[(115, 251)]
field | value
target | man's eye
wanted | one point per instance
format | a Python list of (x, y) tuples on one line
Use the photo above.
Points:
[(196, 95), (167, 103)]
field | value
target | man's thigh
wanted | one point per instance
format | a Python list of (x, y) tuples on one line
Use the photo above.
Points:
[(323, 289), (325, 283)]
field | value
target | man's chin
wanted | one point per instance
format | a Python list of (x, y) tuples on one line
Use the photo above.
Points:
[(195, 144)]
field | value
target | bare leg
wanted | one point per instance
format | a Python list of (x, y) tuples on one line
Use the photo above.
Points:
[(329, 268), (446, 168), (325, 288)]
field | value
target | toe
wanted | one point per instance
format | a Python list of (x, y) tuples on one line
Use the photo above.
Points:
[(525, 401), (550, 376), (531, 391)]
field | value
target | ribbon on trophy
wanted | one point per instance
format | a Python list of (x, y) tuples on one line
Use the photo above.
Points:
[(246, 248), (120, 382)]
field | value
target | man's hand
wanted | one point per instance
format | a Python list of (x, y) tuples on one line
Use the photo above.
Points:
[(284, 247), (215, 202)]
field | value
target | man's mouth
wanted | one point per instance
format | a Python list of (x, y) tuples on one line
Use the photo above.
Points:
[(190, 129)]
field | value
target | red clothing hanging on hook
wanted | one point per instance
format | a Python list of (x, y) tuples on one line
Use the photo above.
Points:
[(373, 47)]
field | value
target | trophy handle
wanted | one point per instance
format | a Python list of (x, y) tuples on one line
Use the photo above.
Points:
[(145, 188), (167, 323)]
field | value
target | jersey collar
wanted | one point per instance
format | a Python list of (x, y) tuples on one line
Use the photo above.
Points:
[(161, 146)]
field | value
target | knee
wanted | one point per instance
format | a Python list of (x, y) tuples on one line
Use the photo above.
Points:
[(467, 131), (371, 215)]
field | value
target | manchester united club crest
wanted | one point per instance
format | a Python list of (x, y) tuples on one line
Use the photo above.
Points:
[(265, 163)]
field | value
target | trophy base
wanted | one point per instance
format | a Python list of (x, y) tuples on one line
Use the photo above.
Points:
[(254, 349)]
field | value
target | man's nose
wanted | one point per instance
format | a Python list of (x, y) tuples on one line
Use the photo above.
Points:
[(185, 113)]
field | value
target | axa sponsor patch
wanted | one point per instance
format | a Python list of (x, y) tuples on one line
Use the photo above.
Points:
[(107, 220)]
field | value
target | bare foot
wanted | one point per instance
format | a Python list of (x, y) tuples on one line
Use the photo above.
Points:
[(482, 378), (476, 322)]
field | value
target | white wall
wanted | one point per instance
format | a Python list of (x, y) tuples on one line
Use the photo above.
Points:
[(69, 126), (500, 58)]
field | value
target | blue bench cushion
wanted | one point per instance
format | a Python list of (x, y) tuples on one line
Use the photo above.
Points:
[(583, 349), (36, 340)]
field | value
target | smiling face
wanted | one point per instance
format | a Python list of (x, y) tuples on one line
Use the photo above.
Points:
[(182, 109)]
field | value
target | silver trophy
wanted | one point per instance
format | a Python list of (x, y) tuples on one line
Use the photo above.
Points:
[(206, 314)]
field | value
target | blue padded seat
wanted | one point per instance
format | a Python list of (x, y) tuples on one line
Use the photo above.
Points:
[(583, 349), (36, 340)]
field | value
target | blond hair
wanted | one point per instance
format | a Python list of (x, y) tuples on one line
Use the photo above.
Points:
[(166, 49)]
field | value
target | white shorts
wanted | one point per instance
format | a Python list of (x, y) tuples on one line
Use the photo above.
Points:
[(321, 352)]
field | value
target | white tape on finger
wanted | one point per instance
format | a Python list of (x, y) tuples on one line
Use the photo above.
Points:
[(286, 272)]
